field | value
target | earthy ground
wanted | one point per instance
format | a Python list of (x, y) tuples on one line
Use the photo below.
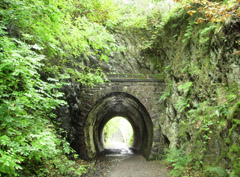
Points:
[(126, 165)]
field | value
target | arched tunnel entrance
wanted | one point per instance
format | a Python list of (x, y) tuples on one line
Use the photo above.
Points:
[(124, 105)]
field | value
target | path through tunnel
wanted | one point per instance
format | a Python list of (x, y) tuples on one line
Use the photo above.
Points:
[(117, 136), (123, 105)]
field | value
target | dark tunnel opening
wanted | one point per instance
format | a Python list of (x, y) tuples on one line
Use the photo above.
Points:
[(122, 105)]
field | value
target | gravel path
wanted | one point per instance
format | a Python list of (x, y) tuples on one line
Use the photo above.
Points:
[(137, 166), (127, 166)]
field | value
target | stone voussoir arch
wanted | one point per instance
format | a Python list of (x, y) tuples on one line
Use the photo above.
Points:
[(135, 98)]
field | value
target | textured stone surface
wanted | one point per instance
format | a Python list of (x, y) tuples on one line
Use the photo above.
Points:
[(136, 99), (213, 70), (212, 67), (132, 60)]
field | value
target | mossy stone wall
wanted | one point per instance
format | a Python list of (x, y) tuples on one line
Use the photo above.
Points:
[(202, 70)]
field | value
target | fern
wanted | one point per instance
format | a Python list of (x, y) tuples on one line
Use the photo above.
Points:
[(185, 87), (182, 103), (179, 160), (216, 171)]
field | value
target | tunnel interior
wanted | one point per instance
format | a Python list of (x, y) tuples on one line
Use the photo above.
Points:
[(123, 105)]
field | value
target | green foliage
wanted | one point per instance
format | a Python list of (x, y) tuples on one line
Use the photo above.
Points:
[(185, 87), (205, 34), (118, 124), (198, 61), (110, 128), (142, 14), (167, 10), (46, 37), (88, 39), (179, 160), (215, 171), (87, 76), (166, 93), (189, 32), (64, 30), (27, 137), (206, 121), (233, 140), (182, 103), (132, 16), (97, 11)]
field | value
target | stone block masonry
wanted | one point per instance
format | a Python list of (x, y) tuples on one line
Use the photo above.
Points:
[(133, 97)]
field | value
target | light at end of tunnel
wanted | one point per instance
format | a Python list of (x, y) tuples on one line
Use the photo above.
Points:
[(117, 134)]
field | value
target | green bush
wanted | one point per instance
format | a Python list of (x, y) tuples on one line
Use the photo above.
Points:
[(179, 160), (27, 138), (215, 171), (43, 37)]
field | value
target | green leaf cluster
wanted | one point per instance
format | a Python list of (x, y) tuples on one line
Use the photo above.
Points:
[(27, 136), (66, 31), (43, 43), (179, 160), (198, 61)]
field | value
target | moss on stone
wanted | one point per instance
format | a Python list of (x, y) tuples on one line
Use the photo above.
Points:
[(203, 55), (234, 112)]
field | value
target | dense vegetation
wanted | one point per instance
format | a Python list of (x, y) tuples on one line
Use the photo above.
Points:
[(44, 43), (40, 42), (203, 90)]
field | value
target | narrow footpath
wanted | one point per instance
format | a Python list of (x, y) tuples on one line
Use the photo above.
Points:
[(127, 165), (137, 166)]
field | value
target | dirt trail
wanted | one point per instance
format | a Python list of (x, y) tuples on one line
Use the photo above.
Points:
[(128, 166), (137, 166)]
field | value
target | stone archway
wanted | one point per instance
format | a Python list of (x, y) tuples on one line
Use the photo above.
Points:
[(121, 96), (124, 105)]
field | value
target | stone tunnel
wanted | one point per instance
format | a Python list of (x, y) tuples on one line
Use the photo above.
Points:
[(132, 97), (124, 105)]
